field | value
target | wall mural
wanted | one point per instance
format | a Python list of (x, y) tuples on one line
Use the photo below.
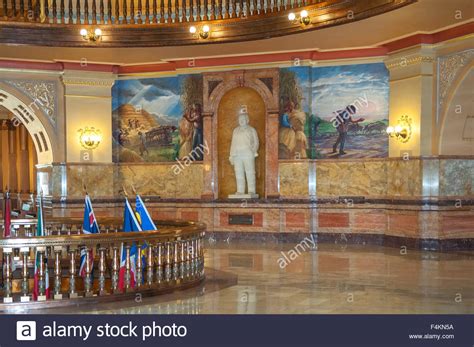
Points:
[(325, 112), (158, 119), (348, 114), (350, 104)]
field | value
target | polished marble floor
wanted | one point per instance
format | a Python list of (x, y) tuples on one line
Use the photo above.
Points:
[(244, 279)]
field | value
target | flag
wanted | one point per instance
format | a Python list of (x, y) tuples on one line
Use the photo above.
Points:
[(89, 226), (144, 217), (146, 223), (40, 232), (7, 215), (130, 223)]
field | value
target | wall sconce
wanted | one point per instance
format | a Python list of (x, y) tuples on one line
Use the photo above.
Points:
[(203, 33), (91, 35), (90, 138), (303, 18), (401, 131)]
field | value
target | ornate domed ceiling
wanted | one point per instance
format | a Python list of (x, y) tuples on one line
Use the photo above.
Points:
[(143, 23)]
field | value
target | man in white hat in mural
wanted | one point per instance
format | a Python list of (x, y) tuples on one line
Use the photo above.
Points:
[(243, 150)]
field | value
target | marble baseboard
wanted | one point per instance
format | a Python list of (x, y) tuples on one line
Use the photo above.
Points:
[(346, 238)]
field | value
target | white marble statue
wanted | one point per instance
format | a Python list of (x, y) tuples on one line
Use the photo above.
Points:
[(243, 150)]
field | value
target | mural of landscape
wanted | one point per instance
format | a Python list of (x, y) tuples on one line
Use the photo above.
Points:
[(157, 119), (314, 121), (364, 86), (295, 118)]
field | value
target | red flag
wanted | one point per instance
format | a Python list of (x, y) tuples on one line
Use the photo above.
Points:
[(7, 215)]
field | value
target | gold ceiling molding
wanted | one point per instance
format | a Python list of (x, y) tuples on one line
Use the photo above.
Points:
[(88, 82), (402, 62), (188, 23)]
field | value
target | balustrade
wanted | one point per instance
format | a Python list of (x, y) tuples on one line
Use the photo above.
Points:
[(136, 11), (169, 258)]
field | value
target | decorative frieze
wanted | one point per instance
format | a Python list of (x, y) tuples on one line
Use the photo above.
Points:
[(43, 94), (449, 68), (405, 61)]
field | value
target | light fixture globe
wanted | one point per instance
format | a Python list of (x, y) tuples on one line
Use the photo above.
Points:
[(192, 29), (304, 17), (98, 32), (90, 138), (291, 16), (83, 32), (204, 33)]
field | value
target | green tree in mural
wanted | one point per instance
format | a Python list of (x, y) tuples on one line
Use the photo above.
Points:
[(289, 89), (191, 91)]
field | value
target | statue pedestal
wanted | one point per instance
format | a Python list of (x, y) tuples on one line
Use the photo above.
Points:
[(243, 196)]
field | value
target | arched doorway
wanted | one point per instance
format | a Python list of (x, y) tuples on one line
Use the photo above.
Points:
[(18, 157), (26, 112), (457, 130), (228, 109), (26, 116)]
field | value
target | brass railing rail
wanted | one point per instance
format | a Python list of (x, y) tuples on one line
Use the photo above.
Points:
[(174, 259), (139, 11)]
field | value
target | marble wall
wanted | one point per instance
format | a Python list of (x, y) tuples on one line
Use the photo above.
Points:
[(456, 177), (394, 178), (370, 178), (107, 180), (394, 209)]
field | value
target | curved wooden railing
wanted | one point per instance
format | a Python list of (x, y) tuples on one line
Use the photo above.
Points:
[(150, 23), (139, 11), (174, 260)]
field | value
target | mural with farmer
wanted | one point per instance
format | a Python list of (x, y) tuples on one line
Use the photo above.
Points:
[(347, 113)]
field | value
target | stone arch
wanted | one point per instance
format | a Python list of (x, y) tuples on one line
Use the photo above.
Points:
[(457, 86), (266, 83), (26, 111)]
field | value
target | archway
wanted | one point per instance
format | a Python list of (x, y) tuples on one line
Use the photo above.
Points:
[(17, 156), (263, 83), (25, 111), (228, 109), (456, 134)]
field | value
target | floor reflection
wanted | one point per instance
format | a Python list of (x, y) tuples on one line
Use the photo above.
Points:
[(246, 279)]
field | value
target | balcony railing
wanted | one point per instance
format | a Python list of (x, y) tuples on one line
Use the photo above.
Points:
[(174, 260), (139, 11)]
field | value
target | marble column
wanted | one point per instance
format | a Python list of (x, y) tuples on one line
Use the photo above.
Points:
[(271, 160), (1, 156), (208, 171), (24, 158), (412, 76), (12, 157)]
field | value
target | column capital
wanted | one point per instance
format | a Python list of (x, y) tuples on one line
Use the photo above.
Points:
[(411, 62)]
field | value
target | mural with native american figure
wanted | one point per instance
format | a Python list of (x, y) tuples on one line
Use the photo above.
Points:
[(158, 119)]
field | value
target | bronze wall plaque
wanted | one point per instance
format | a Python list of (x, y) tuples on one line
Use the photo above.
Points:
[(240, 219)]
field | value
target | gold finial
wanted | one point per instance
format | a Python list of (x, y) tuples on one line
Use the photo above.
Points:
[(124, 191)]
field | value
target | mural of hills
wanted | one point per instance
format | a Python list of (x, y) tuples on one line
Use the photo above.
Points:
[(129, 112)]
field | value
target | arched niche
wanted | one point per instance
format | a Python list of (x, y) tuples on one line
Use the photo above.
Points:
[(265, 84), (227, 112)]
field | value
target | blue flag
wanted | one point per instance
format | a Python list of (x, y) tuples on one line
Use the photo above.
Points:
[(143, 216), (130, 224), (146, 223), (89, 226)]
